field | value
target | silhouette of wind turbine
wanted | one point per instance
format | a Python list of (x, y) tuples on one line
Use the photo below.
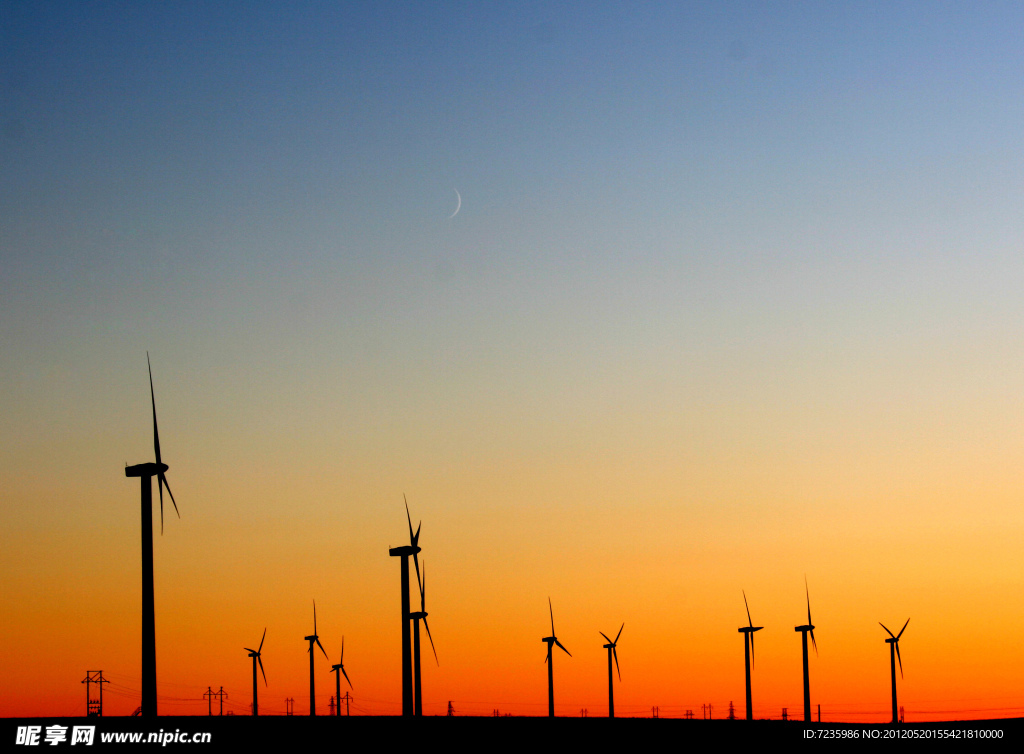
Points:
[(550, 641), (422, 614), (404, 552), (255, 655), (610, 646), (804, 631), (313, 639), (337, 676), (894, 654), (748, 651), (146, 472)]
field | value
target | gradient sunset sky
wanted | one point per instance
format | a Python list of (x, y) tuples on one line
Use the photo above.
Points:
[(734, 296)]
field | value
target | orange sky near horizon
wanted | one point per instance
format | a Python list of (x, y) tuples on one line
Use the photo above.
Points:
[(669, 570)]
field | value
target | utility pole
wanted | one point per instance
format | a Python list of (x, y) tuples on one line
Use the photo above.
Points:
[(819, 713), (732, 711), (451, 712), (785, 713), (331, 705), (208, 696), (222, 693), (94, 707), (347, 698), (289, 706)]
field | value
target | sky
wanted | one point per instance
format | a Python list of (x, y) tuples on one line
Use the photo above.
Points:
[(731, 300)]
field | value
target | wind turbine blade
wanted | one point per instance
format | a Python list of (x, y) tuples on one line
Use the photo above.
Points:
[(749, 621), (314, 617), (346, 678), (902, 630), (886, 629), (160, 487), (563, 648), (552, 612), (408, 517), (814, 643), (261, 669), (152, 397), (427, 625), (808, 592), (322, 648), (423, 589), (605, 637), (261, 641), (616, 656), (619, 634), (900, 659), (165, 483), (342, 651), (249, 650)]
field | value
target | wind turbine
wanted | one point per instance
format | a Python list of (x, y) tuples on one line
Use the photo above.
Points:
[(337, 676), (804, 631), (422, 614), (550, 641), (255, 655), (748, 651), (404, 552), (146, 472), (894, 654), (313, 639), (610, 646)]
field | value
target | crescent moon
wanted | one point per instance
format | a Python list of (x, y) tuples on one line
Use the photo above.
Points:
[(458, 206)]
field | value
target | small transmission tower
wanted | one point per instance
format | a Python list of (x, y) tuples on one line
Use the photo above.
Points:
[(94, 707)]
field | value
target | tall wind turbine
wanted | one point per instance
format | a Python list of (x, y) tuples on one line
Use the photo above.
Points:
[(255, 655), (748, 651), (404, 552), (804, 630), (421, 615), (550, 641), (313, 639), (337, 676), (610, 646), (894, 654), (146, 472)]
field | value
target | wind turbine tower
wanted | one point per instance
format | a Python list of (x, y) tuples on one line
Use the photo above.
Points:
[(412, 549), (610, 646), (804, 630), (146, 472), (894, 655), (550, 641), (313, 639), (417, 617), (748, 651), (255, 655)]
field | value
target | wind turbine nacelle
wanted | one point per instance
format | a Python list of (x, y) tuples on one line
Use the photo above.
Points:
[(404, 551), (146, 469)]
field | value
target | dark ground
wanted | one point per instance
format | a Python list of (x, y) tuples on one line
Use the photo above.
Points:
[(489, 733)]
